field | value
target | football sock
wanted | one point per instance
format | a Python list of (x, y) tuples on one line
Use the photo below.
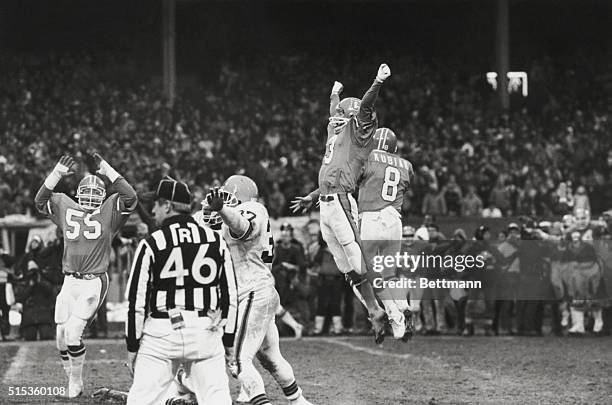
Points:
[(77, 358), (292, 391), (260, 399), (65, 361)]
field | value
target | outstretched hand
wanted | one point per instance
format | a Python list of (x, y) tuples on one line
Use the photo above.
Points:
[(301, 204), (66, 166), (214, 199)]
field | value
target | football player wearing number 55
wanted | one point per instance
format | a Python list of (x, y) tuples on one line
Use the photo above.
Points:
[(89, 227)]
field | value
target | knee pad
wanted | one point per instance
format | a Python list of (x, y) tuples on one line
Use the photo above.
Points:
[(355, 257), (60, 338), (73, 331)]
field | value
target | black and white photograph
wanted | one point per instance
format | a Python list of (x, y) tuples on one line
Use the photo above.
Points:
[(306, 202)]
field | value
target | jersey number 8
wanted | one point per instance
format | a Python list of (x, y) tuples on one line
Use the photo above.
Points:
[(389, 188), (174, 267)]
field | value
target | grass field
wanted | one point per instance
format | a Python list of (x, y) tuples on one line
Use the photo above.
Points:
[(354, 371)]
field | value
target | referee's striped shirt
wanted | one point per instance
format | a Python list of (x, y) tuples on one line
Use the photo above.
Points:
[(183, 266)]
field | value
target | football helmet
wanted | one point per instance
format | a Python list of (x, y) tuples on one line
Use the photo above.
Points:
[(241, 187), (385, 140), (91, 192), (212, 218), (345, 111)]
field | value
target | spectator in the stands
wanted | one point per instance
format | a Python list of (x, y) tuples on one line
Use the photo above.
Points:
[(471, 204)]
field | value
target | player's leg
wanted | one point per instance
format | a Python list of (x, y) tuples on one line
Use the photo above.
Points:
[(89, 294), (270, 357), (255, 312), (210, 385), (344, 226), (290, 321), (63, 306), (152, 377)]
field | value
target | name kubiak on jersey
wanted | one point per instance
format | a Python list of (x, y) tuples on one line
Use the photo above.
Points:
[(384, 180)]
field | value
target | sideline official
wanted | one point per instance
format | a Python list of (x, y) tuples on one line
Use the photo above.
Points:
[(181, 293)]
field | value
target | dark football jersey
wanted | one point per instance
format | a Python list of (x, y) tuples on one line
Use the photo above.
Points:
[(384, 180), (88, 234)]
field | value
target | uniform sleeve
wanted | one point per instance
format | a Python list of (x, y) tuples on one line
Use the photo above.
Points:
[(366, 117), (49, 204), (123, 204), (334, 100), (229, 296), (136, 295), (257, 218)]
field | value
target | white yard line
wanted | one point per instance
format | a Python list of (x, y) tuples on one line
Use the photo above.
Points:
[(382, 353), (13, 373)]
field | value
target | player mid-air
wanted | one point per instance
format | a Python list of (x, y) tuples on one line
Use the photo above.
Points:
[(384, 179), (89, 227), (246, 228), (352, 125)]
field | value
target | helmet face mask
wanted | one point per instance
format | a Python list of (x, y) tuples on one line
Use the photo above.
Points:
[(91, 192), (346, 110), (212, 218)]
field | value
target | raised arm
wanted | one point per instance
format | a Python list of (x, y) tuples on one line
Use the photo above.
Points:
[(366, 115), (239, 226), (127, 194), (62, 169), (334, 98)]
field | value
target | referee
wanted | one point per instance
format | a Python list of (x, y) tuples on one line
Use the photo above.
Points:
[(182, 304)]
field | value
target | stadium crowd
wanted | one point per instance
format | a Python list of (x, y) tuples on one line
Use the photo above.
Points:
[(536, 160), (550, 156)]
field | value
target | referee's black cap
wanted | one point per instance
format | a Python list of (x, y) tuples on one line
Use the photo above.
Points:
[(173, 190)]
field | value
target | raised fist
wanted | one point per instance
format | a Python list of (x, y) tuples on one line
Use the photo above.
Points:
[(337, 88), (383, 72)]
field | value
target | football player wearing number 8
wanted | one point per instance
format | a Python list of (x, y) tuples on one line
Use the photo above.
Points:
[(352, 125), (246, 228), (182, 305), (384, 180), (89, 227)]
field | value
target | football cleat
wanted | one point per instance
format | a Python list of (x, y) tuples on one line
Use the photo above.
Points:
[(242, 187), (398, 326), (410, 329), (91, 192), (75, 388), (379, 325)]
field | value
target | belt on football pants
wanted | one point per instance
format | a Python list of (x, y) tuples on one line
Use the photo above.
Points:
[(165, 315), (327, 198), (82, 276)]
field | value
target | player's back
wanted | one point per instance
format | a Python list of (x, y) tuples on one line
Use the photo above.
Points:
[(88, 233), (252, 255), (385, 178)]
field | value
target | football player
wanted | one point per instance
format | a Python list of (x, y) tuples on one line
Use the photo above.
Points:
[(246, 229), (385, 178), (352, 125), (89, 227)]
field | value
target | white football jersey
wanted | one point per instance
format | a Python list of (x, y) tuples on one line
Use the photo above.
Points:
[(252, 255)]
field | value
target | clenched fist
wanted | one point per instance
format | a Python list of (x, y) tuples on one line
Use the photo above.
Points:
[(383, 72), (337, 88)]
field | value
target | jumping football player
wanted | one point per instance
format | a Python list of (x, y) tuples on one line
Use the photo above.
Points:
[(385, 178), (246, 229), (352, 125), (89, 227)]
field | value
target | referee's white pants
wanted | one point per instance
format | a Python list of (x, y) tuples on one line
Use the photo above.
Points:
[(197, 346), (339, 229)]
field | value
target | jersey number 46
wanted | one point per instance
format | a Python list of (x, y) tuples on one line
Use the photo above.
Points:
[(203, 269)]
